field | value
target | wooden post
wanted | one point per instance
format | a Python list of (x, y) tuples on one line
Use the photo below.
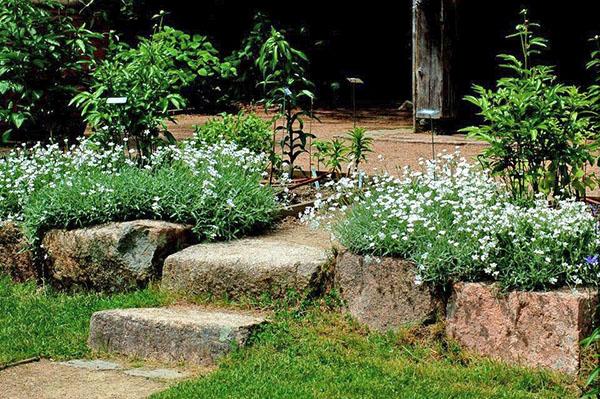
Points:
[(434, 35)]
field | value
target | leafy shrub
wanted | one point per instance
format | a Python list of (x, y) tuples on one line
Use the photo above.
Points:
[(215, 188), (458, 224), (538, 129), (41, 68), (246, 130), (140, 75), (153, 76), (195, 65), (594, 66)]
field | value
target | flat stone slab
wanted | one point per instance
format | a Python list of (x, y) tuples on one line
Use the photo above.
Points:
[(383, 292), (112, 257), (248, 267), (529, 328), (191, 335), (97, 365)]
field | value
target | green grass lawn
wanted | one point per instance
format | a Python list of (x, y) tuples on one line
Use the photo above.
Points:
[(312, 351), (37, 322), (324, 355)]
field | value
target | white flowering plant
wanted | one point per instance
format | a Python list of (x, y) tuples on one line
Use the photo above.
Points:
[(459, 224), (216, 188)]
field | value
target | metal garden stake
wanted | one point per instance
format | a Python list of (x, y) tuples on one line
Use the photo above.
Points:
[(429, 114), (354, 82)]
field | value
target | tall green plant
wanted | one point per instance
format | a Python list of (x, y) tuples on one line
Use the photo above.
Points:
[(287, 88), (42, 54), (539, 130), (360, 146)]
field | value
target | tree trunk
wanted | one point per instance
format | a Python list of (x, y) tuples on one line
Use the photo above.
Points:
[(434, 36)]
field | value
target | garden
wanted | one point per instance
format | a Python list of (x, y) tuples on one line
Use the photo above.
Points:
[(254, 256)]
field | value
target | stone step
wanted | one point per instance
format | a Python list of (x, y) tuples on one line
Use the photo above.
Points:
[(242, 268), (188, 334)]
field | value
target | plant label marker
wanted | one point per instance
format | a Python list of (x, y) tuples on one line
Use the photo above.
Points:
[(313, 172), (354, 82), (116, 100), (430, 114)]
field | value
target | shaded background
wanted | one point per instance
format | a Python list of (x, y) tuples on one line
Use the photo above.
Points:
[(372, 40)]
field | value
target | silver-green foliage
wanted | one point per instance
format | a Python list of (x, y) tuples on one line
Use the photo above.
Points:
[(215, 188), (457, 224)]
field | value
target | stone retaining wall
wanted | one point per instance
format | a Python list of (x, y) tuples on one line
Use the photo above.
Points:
[(531, 328), (383, 293), (537, 329), (16, 260), (113, 256)]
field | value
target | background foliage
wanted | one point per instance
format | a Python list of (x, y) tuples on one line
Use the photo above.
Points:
[(42, 65), (541, 132), (246, 130)]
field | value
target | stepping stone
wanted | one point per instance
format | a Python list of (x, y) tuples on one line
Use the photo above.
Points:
[(187, 334), (243, 268), (157, 374), (96, 365)]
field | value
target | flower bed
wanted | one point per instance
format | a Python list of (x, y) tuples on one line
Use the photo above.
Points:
[(458, 224), (215, 188)]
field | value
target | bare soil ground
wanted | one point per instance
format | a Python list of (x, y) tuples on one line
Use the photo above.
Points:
[(49, 380), (395, 145)]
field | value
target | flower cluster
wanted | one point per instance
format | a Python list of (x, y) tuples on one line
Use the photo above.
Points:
[(24, 170), (216, 188), (457, 223)]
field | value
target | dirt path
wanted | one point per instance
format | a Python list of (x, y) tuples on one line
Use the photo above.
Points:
[(51, 380), (394, 143)]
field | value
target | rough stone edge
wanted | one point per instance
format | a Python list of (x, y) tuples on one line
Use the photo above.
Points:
[(439, 295), (585, 356), (157, 261), (30, 271)]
